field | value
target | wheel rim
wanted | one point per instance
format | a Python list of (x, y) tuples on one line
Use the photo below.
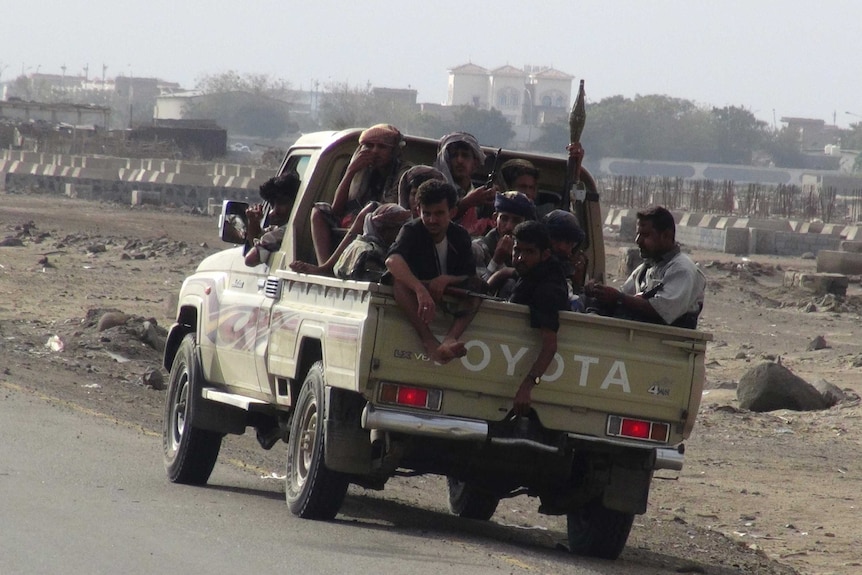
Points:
[(305, 446), (178, 414)]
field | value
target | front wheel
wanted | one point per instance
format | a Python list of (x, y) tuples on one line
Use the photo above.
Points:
[(596, 531), (189, 453), (313, 491), (469, 501)]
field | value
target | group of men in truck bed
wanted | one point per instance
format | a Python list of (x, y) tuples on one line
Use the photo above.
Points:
[(431, 229)]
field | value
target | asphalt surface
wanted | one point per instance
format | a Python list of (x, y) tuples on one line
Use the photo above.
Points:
[(85, 493)]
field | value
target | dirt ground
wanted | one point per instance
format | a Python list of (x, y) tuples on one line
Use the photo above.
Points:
[(760, 493)]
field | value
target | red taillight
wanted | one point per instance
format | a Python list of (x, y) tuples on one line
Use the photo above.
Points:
[(638, 429), (412, 397), (408, 396), (635, 428)]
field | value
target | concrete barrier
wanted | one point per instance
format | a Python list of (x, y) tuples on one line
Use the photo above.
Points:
[(141, 197), (811, 227), (847, 263), (833, 230), (852, 246), (703, 238), (737, 241), (628, 226), (818, 283), (690, 219)]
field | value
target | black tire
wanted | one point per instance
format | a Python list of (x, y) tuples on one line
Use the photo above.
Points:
[(312, 490), (468, 501), (189, 453), (596, 531)]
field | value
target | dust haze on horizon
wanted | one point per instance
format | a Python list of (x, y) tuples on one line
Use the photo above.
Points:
[(774, 58)]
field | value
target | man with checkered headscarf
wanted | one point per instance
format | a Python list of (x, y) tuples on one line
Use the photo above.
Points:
[(459, 156)]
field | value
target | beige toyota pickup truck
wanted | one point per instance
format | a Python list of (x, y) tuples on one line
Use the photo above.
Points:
[(333, 368)]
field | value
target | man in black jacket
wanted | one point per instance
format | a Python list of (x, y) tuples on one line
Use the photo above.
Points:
[(541, 286), (430, 254)]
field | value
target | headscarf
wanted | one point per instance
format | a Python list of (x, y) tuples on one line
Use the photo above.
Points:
[(383, 134), (515, 203), (385, 216), (442, 161), (412, 178), (563, 225)]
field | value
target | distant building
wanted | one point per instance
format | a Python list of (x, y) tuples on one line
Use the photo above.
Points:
[(405, 97), (170, 105), (531, 96), (21, 111), (814, 135)]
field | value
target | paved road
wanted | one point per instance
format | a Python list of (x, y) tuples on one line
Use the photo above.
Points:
[(83, 494)]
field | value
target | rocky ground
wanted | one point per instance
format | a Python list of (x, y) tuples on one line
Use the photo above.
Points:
[(760, 493)]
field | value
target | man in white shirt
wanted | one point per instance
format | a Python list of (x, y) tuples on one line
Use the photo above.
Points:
[(668, 287)]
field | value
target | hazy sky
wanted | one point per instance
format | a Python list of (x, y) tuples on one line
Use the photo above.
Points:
[(774, 57)]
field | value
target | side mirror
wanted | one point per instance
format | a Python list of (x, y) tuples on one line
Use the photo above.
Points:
[(233, 222)]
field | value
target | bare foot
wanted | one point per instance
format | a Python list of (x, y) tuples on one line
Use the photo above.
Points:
[(306, 268), (449, 350)]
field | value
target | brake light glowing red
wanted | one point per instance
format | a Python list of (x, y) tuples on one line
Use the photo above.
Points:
[(635, 428), (409, 396), (638, 429), (412, 397)]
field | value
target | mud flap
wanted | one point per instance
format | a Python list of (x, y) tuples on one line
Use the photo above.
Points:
[(628, 490), (221, 418), (347, 447)]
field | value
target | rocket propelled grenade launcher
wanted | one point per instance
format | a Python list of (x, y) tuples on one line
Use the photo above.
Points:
[(577, 121)]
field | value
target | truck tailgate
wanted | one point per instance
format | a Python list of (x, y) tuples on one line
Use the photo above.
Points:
[(603, 366)]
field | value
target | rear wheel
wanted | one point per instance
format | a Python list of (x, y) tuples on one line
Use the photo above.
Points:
[(189, 453), (596, 531), (313, 491), (469, 501)]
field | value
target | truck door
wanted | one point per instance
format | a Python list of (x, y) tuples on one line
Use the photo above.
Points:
[(238, 324), (267, 284)]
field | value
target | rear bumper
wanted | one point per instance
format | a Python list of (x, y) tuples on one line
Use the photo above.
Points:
[(454, 428), (424, 424)]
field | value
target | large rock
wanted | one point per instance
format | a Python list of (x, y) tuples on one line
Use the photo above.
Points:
[(770, 386), (153, 335), (830, 392), (630, 258), (110, 319)]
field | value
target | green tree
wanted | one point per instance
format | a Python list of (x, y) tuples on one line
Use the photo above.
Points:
[(657, 127), (489, 126), (343, 106), (553, 138), (233, 81), (785, 149), (738, 134), (243, 113), (248, 104), (432, 125)]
